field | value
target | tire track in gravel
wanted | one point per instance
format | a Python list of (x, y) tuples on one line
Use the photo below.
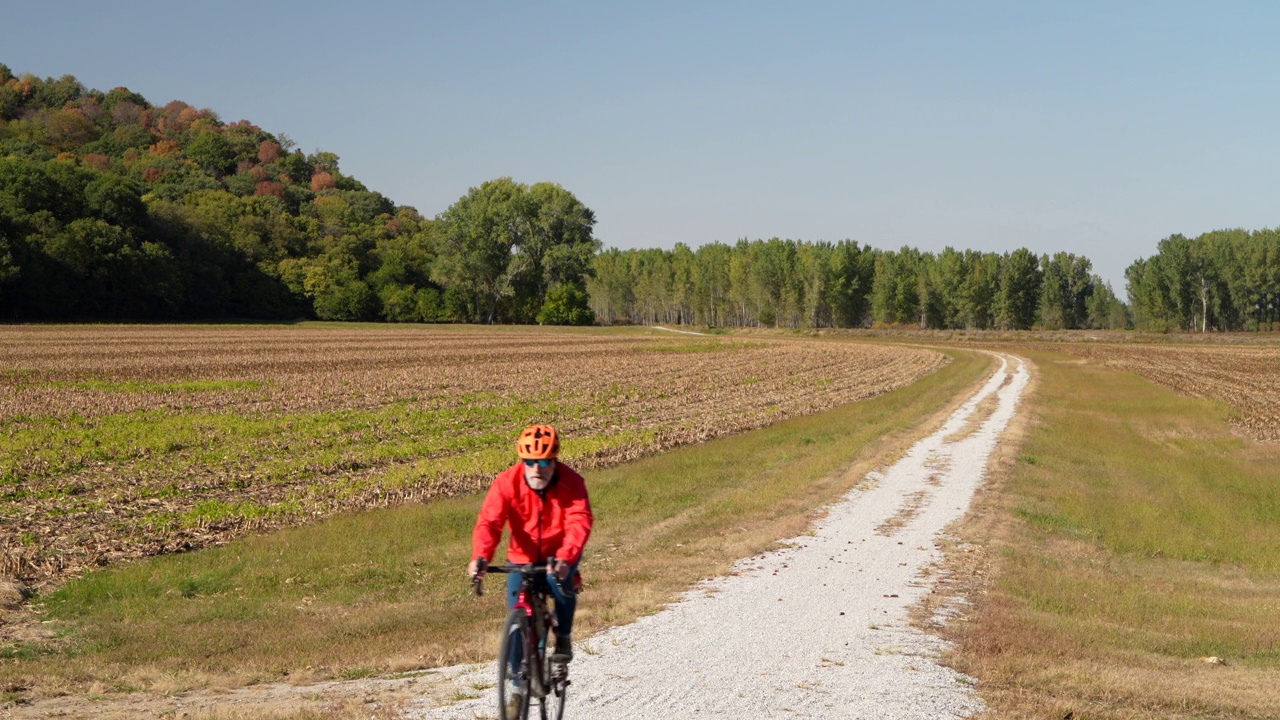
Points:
[(817, 630)]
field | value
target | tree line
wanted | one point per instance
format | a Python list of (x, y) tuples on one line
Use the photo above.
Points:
[(799, 284), (1221, 280), (112, 208)]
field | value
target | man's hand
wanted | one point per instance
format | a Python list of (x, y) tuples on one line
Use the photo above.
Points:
[(476, 568), (559, 567)]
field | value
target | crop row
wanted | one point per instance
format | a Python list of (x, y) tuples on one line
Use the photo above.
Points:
[(120, 442)]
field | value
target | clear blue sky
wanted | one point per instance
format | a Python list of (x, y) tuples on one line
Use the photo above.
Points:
[(1096, 128)]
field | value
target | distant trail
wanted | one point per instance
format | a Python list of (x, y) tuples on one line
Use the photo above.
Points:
[(682, 332), (817, 630)]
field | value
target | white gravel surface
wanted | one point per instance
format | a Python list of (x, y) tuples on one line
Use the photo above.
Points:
[(817, 630)]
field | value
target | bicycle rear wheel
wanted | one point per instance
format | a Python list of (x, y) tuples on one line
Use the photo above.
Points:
[(514, 678)]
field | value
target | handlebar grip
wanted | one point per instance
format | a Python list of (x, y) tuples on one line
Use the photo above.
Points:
[(477, 581)]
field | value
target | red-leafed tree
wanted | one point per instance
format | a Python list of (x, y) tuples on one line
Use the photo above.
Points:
[(268, 152), (97, 161), (126, 113), (267, 187)]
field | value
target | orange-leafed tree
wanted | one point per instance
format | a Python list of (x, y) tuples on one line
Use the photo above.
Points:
[(188, 115), (164, 147), (322, 181)]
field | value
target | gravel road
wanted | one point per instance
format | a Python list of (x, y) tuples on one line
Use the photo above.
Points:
[(819, 629)]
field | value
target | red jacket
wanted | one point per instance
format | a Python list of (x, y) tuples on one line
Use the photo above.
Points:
[(555, 526)]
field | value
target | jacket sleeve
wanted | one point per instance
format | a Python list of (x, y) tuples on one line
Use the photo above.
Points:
[(577, 520), (488, 530)]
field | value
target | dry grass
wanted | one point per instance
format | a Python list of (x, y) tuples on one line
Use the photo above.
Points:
[(1125, 536), (374, 699), (119, 442), (910, 508), (981, 413)]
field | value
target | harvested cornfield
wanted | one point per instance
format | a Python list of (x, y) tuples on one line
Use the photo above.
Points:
[(1245, 377), (119, 442)]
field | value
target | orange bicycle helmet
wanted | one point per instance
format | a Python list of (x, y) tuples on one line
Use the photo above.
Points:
[(538, 442)]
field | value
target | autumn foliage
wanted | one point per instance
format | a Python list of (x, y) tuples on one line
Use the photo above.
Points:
[(322, 181), (268, 187), (268, 152), (114, 208), (164, 148)]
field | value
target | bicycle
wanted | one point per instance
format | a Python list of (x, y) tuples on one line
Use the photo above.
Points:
[(529, 624)]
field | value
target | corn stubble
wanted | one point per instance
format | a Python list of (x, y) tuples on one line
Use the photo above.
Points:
[(124, 442)]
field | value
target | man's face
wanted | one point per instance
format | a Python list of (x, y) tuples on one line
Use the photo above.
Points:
[(536, 475)]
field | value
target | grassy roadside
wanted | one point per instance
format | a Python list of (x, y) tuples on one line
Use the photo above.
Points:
[(1131, 538), (384, 591)]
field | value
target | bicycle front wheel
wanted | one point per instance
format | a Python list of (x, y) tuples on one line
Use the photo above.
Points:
[(514, 662), (553, 703)]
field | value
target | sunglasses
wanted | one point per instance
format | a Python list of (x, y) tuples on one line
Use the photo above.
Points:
[(539, 463)]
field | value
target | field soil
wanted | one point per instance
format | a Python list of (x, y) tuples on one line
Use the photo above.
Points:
[(121, 442)]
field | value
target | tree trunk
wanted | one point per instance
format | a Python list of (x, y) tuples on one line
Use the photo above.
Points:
[(1204, 305)]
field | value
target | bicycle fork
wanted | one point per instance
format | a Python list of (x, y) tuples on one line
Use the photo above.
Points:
[(542, 623)]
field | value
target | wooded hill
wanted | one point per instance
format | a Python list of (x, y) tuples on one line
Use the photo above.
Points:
[(112, 208)]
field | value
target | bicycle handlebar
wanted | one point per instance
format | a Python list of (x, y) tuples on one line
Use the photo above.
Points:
[(531, 569)]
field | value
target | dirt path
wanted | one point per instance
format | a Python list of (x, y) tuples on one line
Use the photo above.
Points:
[(818, 630), (682, 332)]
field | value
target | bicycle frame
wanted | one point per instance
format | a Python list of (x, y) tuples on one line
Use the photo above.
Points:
[(536, 606)]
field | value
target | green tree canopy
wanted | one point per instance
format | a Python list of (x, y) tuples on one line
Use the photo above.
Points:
[(504, 244)]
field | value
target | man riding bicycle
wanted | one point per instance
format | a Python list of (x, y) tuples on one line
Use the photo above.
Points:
[(545, 504)]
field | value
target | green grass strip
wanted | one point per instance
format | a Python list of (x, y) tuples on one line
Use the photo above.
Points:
[(1144, 535)]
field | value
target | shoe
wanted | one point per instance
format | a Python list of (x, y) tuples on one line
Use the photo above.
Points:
[(564, 650), (515, 703)]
